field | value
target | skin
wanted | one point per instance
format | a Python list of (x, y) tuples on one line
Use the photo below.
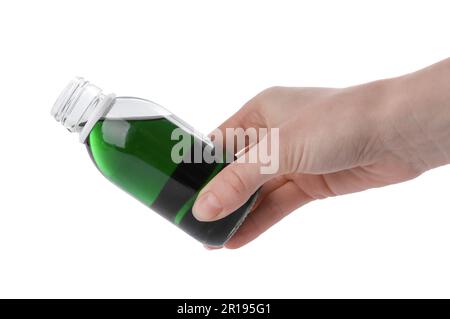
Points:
[(334, 141)]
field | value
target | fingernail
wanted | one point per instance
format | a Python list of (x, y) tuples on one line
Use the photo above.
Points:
[(206, 207)]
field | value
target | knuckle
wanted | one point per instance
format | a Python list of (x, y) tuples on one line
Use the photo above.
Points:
[(235, 181), (275, 210), (272, 90), (268, 93)]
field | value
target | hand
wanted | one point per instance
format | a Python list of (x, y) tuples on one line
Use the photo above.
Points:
[(334, 142)]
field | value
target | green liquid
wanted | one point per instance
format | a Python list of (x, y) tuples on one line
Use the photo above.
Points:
[(136, 156)]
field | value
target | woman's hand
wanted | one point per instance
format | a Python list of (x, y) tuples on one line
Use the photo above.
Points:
[(334, 142)]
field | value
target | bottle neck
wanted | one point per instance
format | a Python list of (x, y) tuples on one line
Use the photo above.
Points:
[(80, 105)]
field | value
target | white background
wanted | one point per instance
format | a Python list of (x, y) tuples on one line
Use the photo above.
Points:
[(65, 231)]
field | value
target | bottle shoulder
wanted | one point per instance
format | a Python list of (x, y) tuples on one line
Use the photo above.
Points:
[(133, 108)]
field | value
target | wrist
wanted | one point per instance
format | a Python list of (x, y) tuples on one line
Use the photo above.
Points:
[(417, 117)]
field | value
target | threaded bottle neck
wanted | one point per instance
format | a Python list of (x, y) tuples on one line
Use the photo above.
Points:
[(80, 105)]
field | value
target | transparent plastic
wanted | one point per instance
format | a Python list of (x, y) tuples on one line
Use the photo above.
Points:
[(130, 141)]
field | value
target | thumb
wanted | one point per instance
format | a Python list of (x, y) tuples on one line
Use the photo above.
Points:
[(229, 190)]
